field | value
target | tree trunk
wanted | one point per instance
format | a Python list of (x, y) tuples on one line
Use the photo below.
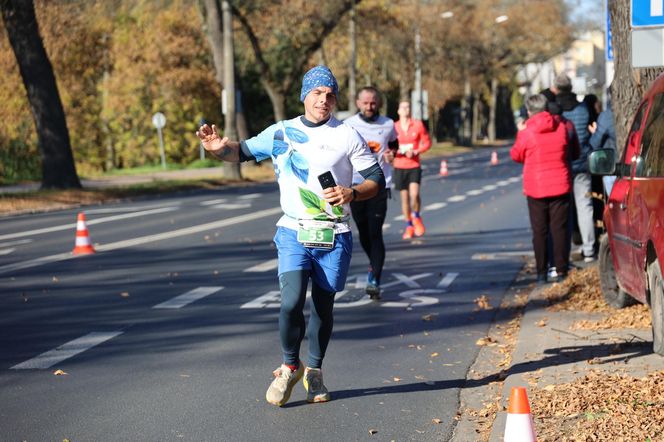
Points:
[(58, 168), (629, 84), (231, 170), (278, 100), (492, 111)]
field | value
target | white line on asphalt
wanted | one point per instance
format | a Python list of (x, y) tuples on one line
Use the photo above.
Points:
[(126, 209), (88, 223), (212, 202), (66, 351), (6, 251), (231, 206), (143, 239), (409, 281), (475, 192), (447, 280), (189, 297), (250, 196), (434, 206), (456, 198), (489, 187), (264, 266), (15, 243)]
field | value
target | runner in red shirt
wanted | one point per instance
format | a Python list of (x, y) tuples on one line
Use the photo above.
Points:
[(413, 140)]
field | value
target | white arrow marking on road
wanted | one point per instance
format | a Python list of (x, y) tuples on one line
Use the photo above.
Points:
[(66, 351), (212, 202), (189, 297), (144, 239), (501, 255), (265, 266), (88, 223), (447, 280)]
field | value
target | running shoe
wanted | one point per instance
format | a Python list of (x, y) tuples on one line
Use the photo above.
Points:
[(408, 234), (419, 226), (372, 288), (281, 387), (313, 383)]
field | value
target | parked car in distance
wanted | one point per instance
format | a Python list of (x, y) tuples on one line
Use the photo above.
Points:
[(631, 250)]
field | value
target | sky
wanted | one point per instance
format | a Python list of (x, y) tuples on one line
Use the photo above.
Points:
[(590, 10)]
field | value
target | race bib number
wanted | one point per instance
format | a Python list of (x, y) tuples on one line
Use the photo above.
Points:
[(403, 148), (316, 234)]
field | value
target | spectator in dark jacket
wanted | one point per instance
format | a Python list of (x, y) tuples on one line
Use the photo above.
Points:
[(543, 148), (578, 114), (604, 137)]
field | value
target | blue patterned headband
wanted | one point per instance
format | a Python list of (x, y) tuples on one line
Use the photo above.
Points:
[(317, 77)]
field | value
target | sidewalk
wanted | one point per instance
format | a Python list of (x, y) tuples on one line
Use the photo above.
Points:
[(125, 180), (548, 353)]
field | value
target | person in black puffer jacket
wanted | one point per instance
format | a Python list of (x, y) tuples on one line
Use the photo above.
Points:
[(578, 114)]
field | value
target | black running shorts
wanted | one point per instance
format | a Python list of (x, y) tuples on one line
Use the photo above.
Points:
[(403, 177)]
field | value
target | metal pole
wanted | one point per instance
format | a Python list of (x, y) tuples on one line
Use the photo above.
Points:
[(161, 149)]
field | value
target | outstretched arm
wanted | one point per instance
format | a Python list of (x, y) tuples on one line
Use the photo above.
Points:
[(222, 148)]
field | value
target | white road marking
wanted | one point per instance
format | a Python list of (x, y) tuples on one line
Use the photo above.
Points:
[(250, 196), (412, 295), (399, 218), (144, 239), (6, 251), (456, 198), (66, 351), (188, 298), (386, 226), (434, 206), (489, 187), (126, 209), (501, 255), (447, 280), (212, 202), (88, 223), (15, 243), (265, 266), (408, 280), (475, 192), (230, 206)]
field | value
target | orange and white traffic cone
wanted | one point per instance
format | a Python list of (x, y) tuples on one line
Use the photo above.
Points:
[(494, 158), (519, 424), (443, 168), (83, 245)]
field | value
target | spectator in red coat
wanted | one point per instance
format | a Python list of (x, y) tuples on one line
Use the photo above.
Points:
[(546, 148)]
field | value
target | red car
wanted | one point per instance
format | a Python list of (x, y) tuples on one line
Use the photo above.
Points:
[(630, 251)]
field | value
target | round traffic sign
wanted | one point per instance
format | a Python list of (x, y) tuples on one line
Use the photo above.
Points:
[(159, 120)]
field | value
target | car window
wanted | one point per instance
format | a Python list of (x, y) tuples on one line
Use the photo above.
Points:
[(651, 157), (623, 166)]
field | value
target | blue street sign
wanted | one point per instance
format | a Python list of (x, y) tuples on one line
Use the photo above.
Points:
[(647, 13), (609, 44)]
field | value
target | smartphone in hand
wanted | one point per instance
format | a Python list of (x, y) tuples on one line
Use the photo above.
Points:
[(326, 180)]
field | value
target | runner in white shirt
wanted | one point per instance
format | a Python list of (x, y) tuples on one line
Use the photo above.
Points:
[(369, 215), (313, 238)]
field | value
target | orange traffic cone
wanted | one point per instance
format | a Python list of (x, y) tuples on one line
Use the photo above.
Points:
[(494, 158), (83, 245), (443, 168), (519, 424)]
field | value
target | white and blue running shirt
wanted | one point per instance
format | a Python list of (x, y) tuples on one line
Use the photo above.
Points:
[(299, 154), (377, 135)]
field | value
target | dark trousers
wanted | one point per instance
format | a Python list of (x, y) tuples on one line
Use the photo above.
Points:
[(369, 216), (550, 215)]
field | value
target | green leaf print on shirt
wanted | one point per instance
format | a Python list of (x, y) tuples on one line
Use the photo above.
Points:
[(316, 206)]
